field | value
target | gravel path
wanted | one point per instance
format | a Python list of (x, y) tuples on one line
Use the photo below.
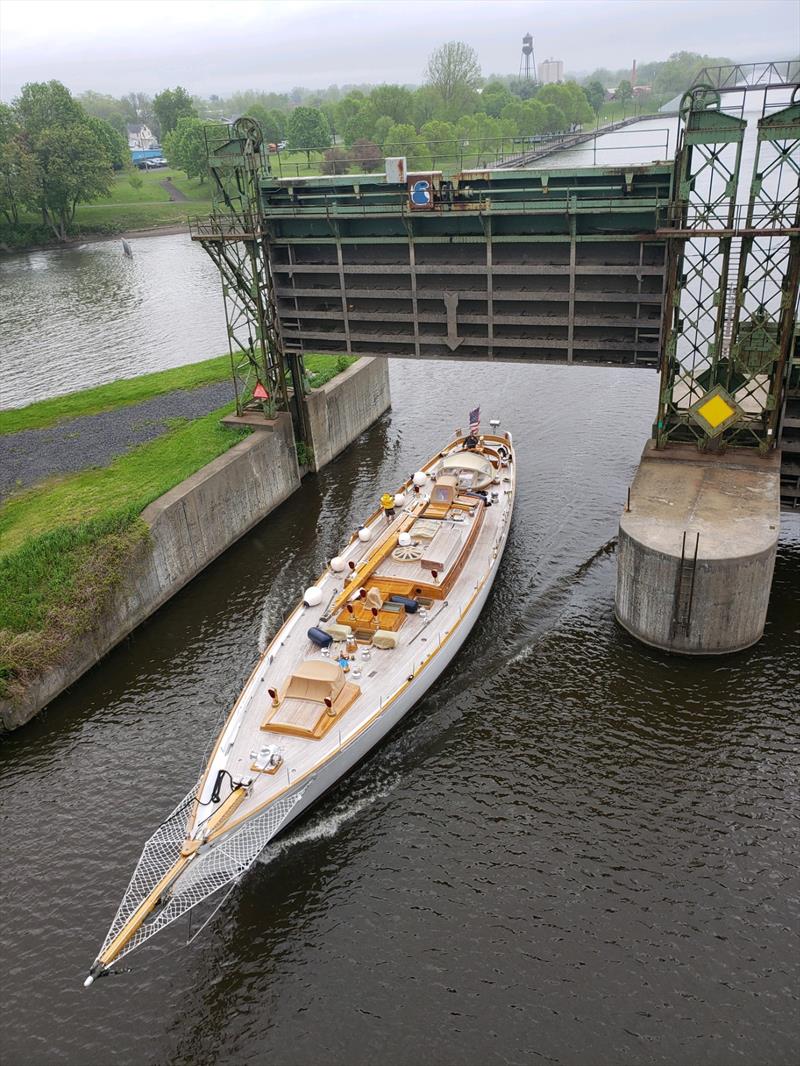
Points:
[(94, 440)]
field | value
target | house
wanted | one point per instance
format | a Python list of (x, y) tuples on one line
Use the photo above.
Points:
[(140, 136)]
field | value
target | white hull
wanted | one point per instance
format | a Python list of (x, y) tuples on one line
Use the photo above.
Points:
[(342, 671)]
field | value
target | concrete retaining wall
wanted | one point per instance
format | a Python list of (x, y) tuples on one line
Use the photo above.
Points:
[(341, 410), (197, 520)]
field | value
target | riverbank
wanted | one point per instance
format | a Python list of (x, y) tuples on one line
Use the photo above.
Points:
[(140, 203), (81, 562)]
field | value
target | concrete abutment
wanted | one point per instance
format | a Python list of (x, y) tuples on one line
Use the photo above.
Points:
[(697, 549)]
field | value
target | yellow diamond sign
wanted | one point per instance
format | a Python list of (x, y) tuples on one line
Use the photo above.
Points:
[(715, 411)]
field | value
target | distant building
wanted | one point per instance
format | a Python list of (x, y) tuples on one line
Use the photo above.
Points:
[(141, 137), (550, 71), (642, 90)]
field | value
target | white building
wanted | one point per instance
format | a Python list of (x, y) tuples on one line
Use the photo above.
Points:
[(550, 71), (141, 137)]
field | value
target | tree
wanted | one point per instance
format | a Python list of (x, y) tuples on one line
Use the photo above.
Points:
[(677, 74), (555, 119), (17, 166), (402, 140), (394, 101), (361, 124), (335, 161), (117, 113), (366, 156), (441, 139), (426, 104), (624, 91), (172, 105), (381, 130), (454, 71), (595, 94), (66, 161), (307, 130), (187, 148), (494, 98), (115, 144)]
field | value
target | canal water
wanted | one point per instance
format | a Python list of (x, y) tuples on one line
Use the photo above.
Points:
[(574, 849)]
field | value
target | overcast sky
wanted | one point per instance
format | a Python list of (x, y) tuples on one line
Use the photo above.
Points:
[(117, 46)]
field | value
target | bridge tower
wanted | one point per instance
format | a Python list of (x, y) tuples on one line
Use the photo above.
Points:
[(697, 547), (266, 379)]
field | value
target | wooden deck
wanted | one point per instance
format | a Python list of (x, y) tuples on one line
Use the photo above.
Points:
[(305, 733)]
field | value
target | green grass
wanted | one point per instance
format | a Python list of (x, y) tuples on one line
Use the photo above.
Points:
[(115, 394), (320, 370), (131, 481), (66, 543)]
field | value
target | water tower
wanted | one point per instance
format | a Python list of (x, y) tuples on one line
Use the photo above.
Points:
[(527, 62)]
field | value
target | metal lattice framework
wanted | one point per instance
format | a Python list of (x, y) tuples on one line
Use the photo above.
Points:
[(732, 76), (234, 238), (732, 287), (206, 873)]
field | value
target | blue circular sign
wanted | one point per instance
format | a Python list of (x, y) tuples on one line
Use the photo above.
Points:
[(421, 193)]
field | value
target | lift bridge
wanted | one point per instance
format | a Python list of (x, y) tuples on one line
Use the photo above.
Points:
[(688, 267)]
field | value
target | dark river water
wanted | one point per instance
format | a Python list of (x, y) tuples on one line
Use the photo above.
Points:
[(573, 850)]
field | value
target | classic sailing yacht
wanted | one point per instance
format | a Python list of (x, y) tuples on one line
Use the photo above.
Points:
[(365, 643)]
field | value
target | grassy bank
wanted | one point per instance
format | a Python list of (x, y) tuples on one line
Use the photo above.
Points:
[(319, 368), (127, 207), (65, 543)]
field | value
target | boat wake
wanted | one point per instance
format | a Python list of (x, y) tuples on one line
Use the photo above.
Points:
[(325, 826)]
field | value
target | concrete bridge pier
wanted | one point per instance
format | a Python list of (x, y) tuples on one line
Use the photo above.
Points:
[(697, 549)]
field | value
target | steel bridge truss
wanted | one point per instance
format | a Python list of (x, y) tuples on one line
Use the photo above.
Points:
[(234, 239), (733, 278)]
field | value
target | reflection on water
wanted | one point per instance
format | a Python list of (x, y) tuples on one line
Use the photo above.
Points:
[(574, 849), (80, 316)]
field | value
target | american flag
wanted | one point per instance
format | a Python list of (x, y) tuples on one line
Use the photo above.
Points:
[(475, 421)]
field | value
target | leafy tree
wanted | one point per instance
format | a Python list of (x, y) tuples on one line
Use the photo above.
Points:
[(454, 72), (42, 105), (361, 125), (187, 148), (335, 161), (426, 104), (115, 144), (381, 130), (555, 119), (677, 73), (394, 101), (595, 94), (307, 129), (66, 161), (441, 139), (402, 139), (172, 105), (494, 98), (117, 113), (348, 107), (17, 166), (624, 91), (366, 155)]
